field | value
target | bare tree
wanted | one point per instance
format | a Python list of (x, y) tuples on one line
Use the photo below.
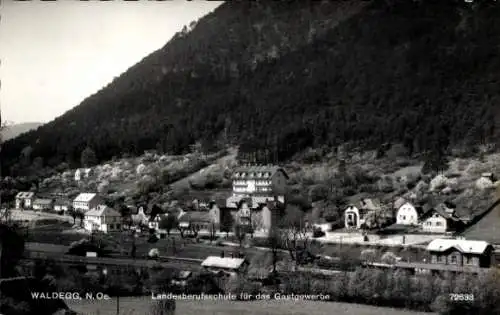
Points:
[(294, 232), (275, 243), (168, 223), (240, 233)]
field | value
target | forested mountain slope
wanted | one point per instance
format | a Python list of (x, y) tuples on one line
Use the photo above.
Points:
[(277, 77)]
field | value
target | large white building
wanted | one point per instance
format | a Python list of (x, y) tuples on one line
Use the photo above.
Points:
[(263, 181), (104, 219), (87, 201)]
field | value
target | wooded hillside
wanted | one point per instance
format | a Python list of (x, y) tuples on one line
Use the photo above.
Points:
[(278, 77)]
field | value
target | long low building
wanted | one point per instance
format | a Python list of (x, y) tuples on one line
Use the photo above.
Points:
[(228, 265), (461, 252)]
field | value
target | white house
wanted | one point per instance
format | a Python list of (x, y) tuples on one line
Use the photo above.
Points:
[(102, 218), (42, 204), (62, 204), (356, 213), (140, 217), (441, 219), (24, 199), (78, 174), (82, 173), (407, 214), (154, 221), (228, 265), (259, 181), (87, 201)]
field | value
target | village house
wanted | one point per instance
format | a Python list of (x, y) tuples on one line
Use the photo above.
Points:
[(140, 218), (461, 252), (102, 218), (181, 279), (24, 200), (82, 173), (196, 221), (355, 215), (441, 219), (62, 204), (43, 204), (87, 201), (228, 265), (407, 213), (489, 176), (263, 181), (256, 213)]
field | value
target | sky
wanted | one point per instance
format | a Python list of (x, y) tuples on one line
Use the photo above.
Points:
[(55, 54)]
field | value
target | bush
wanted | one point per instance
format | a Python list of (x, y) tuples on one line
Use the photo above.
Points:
[(163, 307), (153, 238), (318, 233), (318, 192)]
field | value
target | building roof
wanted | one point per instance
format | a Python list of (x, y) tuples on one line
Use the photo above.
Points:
[(41, 201), (140, 216), (447, 211), (223, 262), (399, 202), (85, 197), (370, 204), (365, 205), (195, 216), (25, 194), (102, 210), (184, 274), (62, 202), (257, 172), (464, 246), (253, 202)]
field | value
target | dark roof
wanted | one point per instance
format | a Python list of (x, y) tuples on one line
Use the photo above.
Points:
[(195, 216), (63, 202), (257, 172), (42, 201), (440, 209)]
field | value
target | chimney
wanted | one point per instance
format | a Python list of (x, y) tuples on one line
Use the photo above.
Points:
[(222, 254)]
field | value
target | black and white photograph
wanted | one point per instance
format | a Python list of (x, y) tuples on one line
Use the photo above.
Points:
[(289, 157)]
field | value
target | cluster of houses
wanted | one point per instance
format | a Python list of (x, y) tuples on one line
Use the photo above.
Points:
[(441, 218), (29, 200), (256, 202)]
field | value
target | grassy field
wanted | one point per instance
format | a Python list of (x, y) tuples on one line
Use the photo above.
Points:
[(140, 306)]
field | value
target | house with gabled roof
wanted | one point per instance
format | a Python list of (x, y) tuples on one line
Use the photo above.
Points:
[(356, 213), (24, 199), (408, 213), (43, 204), (103, 218), (197, 220), (87, 201), (259, 180), (62, 204), (442, 218)]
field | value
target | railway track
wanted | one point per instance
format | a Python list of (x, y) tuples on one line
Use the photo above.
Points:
[(164, 262)]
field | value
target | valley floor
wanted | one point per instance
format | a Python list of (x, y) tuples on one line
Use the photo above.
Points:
[(139, 305)]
